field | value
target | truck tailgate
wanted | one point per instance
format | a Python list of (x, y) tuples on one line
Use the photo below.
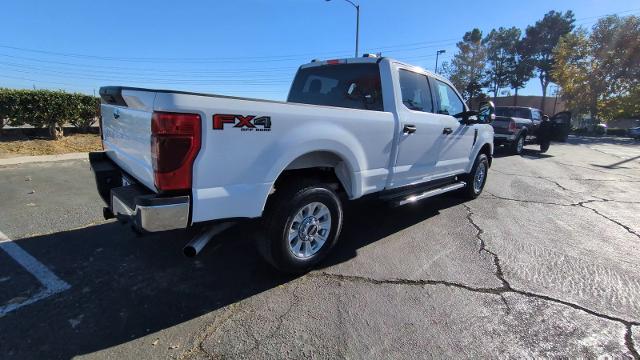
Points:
[(126, 129)]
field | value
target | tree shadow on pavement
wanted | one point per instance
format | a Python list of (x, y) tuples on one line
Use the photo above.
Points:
[(124, 287), (595, 140), (617, 164)]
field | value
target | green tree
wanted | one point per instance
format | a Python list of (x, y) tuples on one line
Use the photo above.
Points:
[(539, 42), (599, 73), (467, 69), (502, 52), (522, 72), (572, 69)]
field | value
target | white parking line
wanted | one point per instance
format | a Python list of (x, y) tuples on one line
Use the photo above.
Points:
[(51, 283)]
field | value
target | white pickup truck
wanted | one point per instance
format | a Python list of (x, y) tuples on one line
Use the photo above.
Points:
[(350, 128)]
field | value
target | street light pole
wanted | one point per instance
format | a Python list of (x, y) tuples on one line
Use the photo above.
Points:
[(357, 7), (438, 54)]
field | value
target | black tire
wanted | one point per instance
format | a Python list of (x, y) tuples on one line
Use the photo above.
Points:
[(516, 148), (470, 191), (279, 218), (544, 146)]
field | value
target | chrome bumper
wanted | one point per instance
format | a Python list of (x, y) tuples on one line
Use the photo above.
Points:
[(149, 212)]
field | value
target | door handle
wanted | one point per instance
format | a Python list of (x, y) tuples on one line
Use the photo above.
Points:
[(447, 131), (409, 129)]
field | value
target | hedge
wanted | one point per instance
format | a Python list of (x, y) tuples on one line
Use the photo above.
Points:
[(46, 108)]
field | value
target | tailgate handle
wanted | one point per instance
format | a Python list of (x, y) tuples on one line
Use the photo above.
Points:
[(116, 114)]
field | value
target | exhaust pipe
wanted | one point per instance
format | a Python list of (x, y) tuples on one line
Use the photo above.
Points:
[(196, 245)]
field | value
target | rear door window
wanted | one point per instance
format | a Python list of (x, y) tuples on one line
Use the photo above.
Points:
[(355, 86), (415, 91)]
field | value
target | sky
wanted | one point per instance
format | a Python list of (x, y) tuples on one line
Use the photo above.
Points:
[(244, 47)]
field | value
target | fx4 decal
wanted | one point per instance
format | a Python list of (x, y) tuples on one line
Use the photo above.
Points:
[(245, 123)]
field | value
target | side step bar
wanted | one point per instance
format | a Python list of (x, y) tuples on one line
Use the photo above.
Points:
[(430, 193)]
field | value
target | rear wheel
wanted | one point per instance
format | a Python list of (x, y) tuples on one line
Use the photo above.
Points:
[(302, 224), (476, 179)]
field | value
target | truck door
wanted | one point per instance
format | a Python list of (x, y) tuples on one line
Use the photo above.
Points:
[(420, 132), (458, 138)]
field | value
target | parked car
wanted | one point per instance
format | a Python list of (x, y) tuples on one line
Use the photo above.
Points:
[(634, 133), (515, 125), (350, 128)]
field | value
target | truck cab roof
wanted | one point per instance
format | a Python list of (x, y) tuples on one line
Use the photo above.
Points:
[(370, 59)]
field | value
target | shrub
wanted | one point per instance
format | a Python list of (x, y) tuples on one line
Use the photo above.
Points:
[(87, 112), (46, 108)]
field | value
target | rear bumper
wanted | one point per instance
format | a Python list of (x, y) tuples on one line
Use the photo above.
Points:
[(147, 210), (504, 137)]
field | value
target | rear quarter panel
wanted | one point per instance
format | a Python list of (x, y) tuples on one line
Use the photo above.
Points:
[(237, 166)]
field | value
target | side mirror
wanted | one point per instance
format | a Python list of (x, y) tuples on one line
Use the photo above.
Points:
[(486, 112)]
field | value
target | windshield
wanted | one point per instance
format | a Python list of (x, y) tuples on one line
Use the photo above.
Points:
[(524, 113), (355, 86)]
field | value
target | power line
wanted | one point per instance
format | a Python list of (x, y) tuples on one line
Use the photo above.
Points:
[(273, 58)]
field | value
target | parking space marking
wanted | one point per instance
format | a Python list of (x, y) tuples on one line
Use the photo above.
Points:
[(51, 283)]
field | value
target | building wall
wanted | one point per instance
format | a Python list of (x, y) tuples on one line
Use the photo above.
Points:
[(534, 102)]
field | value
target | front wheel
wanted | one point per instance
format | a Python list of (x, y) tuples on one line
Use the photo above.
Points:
[(518, 145), (302, 224), (544, 146), (476, 179)]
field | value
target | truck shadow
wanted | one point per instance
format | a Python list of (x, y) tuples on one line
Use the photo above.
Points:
[(125, 287), (530, 152)]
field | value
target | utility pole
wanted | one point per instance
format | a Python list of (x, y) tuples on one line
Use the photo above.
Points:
[(437, 55), (357, 7)]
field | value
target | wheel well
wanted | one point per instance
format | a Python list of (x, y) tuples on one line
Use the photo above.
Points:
[(321, 174), (486, 149), (320, 165)]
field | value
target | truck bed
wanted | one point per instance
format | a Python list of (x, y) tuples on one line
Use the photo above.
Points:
[(238, 163)]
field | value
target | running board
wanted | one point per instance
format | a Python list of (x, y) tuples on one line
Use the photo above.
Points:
[(430, 193)]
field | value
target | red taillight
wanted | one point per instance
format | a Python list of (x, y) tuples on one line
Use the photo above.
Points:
[(512, 126), (175, 142)]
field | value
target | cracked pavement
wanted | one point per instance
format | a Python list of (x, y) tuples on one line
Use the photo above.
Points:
[(543, 264)]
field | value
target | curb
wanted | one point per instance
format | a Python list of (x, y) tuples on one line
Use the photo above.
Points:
[(43, 158)]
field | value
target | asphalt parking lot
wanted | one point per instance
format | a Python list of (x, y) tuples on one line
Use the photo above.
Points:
[(546, 263)]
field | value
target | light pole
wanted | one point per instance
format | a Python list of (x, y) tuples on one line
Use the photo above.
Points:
[(437, 55), (357, 21)]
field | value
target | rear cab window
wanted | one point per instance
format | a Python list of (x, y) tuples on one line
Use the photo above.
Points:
[(523, 113), (355, 86)]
